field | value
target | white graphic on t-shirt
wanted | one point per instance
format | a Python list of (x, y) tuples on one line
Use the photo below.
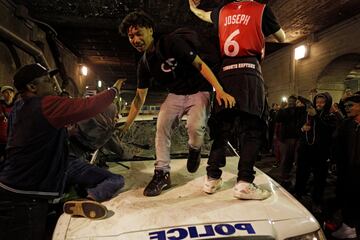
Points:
[(169, 65)]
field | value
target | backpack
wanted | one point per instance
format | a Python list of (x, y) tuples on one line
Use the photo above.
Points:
[(202, 46)]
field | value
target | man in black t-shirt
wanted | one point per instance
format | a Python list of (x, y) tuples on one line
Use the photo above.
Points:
[(242, 27), (290, 120), (187, 79)]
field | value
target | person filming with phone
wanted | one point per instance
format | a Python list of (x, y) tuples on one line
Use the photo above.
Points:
[(314, 149)]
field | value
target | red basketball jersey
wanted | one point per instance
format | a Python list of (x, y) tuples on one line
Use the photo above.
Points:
[(240, 29)]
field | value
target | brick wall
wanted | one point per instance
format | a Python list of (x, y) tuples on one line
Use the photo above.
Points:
[(283, 78)]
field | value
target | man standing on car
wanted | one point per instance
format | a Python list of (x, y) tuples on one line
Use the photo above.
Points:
[(242, 27), (187, 79)]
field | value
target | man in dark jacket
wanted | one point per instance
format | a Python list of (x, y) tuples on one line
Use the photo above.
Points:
[(347, 155), (95, 133), (272, 122), (36, 168), (88, 136), (290, 123), (315, 147)]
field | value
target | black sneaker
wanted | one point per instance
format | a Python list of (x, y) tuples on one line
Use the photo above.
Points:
[(193, 161), (159, 182)]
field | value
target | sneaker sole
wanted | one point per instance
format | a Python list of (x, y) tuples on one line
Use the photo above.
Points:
[(249, 197), (343, 233), (344, 236), (88, 209)]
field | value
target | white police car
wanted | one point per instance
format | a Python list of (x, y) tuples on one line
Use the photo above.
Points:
[(185, 212)]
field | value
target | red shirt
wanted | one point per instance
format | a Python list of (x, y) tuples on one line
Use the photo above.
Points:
[(4, 115), (240, 30)]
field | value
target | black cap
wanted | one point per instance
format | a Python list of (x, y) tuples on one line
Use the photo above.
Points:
[(29, 72), (354, 98)]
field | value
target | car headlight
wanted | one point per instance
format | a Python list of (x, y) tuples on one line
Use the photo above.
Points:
[(318, 235)]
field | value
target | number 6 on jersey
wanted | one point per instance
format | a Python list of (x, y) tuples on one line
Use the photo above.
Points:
[(231, 52)]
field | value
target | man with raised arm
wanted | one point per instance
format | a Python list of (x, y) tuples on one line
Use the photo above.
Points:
[(37, 165), (242, 27)]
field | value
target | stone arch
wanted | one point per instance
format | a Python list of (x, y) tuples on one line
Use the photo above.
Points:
[(341, 73)]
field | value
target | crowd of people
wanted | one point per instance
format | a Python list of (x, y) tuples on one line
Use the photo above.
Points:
[(318, 136), (46, 139)]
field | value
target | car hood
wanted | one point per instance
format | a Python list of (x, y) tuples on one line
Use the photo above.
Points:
[(133, 216)]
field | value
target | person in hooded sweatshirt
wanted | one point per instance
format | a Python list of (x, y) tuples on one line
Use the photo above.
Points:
[(347, 156), (315, 147)]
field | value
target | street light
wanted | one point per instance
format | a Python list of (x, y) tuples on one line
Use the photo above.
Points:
[(99, 84), (301, 52), (84, 70)]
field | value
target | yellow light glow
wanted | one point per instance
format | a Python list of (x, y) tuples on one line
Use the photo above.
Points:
[(301, 52), (84, 70)]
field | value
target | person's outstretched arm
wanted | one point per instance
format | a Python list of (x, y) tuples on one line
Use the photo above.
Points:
[(280, 35), (60, 111), (135, 108), (206, 72), (203, 15)]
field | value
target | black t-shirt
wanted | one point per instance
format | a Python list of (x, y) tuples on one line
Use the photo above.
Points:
[(270, 24), (173, 69)]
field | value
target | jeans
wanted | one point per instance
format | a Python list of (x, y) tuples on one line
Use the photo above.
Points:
[(312, 159), (98, 183), (22, 217), (248, 131), (288, 153), (196, 107), (2, 151)]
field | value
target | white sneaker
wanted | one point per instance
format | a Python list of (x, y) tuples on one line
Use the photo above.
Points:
[(245, 190), (344, 232), (211, 184)]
